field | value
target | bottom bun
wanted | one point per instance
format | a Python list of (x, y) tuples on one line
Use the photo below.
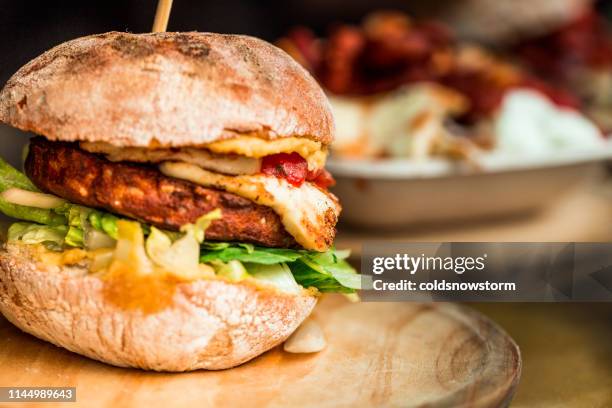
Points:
[(210, 324)]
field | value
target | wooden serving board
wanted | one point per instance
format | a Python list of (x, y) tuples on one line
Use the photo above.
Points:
[(378, 354)]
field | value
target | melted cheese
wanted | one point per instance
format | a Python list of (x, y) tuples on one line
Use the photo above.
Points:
[(308, 213), (239, 155), (252, 146), (221, 163)]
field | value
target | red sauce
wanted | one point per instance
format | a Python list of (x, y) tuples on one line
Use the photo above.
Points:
[(290, 166), (294, 168), (321, 178)]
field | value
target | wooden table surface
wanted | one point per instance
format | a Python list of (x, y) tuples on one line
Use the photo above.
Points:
[(378, 354), (566, 348)]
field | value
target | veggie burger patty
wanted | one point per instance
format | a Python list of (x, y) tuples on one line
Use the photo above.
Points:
[(142, 192)]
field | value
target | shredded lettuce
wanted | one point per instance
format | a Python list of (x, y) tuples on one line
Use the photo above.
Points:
[(234, 270), (130, 250), (198, 228), (104, 222), (278, 275), (73, 221), (179, 257), (51, 236), (77, 219)]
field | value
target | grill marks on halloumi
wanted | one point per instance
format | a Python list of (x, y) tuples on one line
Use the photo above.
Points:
[(307, 212)]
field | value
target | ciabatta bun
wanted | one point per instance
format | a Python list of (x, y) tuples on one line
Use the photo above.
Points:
[(165, 89), (211, 324)]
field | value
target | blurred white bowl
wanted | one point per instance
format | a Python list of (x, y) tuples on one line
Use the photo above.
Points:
[(391, 194)]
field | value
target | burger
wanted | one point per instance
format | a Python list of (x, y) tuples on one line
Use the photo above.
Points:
[(173, 213)]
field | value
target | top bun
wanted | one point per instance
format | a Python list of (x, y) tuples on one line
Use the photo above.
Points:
[(165, 89)]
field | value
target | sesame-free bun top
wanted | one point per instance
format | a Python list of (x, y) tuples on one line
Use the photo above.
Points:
[(165, 89)]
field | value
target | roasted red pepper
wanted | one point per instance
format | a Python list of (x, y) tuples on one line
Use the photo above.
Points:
[(321, 178), (290, 166), (294, 168)]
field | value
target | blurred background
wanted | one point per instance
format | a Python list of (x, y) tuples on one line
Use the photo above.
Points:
[(472, 120), (427, 101)]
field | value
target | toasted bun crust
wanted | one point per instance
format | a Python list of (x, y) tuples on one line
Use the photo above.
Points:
[(212, 324), (165, 89)]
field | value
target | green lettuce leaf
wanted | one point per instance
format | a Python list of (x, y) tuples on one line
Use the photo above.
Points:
[(332, 264), (252, 254), (278, 275), (199, 228), (83, 221), (52, 236), (13, 178), (10, 177), (77, 224), (75, 237), (104, 222), (37, 215), (343, 280), (215, 246), (233, 270), (326, 271), (75, 220)]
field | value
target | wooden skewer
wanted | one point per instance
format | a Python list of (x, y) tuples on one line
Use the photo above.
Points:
[(162, 15)]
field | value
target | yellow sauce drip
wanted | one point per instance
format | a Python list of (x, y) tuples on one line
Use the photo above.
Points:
[(65, 258), (252, 146), (132, 290)]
